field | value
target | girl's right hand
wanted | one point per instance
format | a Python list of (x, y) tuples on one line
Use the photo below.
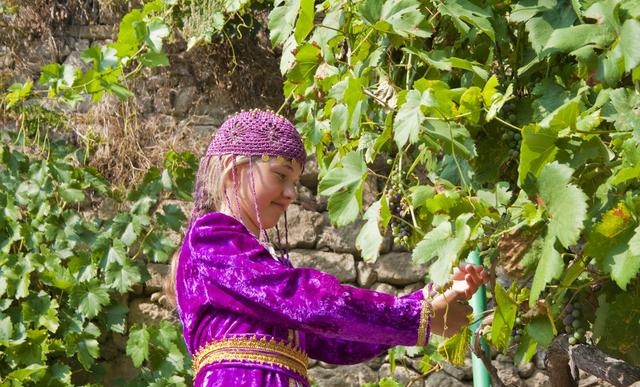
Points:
[(450, 313)]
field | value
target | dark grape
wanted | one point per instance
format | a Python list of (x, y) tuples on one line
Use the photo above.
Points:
[(399, 224), (572, 318), (518, 331)]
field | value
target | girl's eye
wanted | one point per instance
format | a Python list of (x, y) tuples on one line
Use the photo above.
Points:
[(281, 176)]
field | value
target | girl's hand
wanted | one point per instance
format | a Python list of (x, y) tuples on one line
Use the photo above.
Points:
[(451, 308), (467, 278)]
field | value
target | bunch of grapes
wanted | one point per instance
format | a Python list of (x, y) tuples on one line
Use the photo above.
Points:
[(518, 331), (400, 229), (513, 140), (574, 324)]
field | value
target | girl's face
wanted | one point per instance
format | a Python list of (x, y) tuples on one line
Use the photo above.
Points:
[(275, 189)]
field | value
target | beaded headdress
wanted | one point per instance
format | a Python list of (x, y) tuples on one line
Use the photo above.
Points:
[(258, 133)]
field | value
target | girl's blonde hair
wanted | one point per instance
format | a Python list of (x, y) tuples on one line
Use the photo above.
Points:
[(209, 196)]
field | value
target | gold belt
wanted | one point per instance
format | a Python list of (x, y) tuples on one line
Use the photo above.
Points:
[(253, 349)]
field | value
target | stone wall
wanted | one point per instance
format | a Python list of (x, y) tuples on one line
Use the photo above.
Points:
[(181, 106)]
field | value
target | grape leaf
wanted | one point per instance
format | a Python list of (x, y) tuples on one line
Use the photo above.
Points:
[(407, 123), (304, 25), (156, 31), (526, 349), (549, 267), (344, 207), (344, 186), (454, 349), (88, 351), (537, 149), (349, 174), (369, 239), (464, 12), (138, 345), (626, 265), (281, 21), (615, 244), (623, 313), (123, 277), (629, 42), (89, 298), (541, 330), (446, 243), (503, 318), (565, 203)]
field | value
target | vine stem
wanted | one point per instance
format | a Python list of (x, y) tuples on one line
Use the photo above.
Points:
[(366, 37), (512, 126), (476, 348), (435, 368)]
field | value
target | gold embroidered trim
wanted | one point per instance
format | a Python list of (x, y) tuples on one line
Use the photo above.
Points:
[(252, 349), (425, 320)]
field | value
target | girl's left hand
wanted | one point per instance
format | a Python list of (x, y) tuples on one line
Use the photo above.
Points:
[(467, 279)]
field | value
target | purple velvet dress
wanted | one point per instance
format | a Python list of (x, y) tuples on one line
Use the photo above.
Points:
[(230, 287)]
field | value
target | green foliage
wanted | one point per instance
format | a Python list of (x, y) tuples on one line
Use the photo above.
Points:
[(63, 264), (62, 270), (139, 44), (495, 116)]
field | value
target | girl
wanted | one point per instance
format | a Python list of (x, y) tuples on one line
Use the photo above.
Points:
[(249, 317)]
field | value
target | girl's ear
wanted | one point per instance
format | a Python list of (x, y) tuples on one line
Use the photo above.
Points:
[(227, 166)]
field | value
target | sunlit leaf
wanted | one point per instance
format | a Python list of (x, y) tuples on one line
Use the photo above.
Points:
[(538, 148), (281, 21), (138, 345), (565, 203), (549, 267), (454, 349), (304, 24), (445, 242), (408, 121), (630, 44), (123, 277), (503, 318), (465, 12), (89, 297), (369, 239)]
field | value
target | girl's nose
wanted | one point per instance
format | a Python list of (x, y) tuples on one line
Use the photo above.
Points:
[(290, 192)]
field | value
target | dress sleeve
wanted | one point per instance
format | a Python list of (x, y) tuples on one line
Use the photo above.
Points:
[(229, 269), (339, 351)]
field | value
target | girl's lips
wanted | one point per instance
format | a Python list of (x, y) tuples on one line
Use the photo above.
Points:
[(282, 206)]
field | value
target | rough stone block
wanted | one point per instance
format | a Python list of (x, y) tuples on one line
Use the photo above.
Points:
[(340, 265)]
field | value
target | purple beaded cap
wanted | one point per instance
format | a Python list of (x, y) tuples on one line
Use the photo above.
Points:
[(258, 133)]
